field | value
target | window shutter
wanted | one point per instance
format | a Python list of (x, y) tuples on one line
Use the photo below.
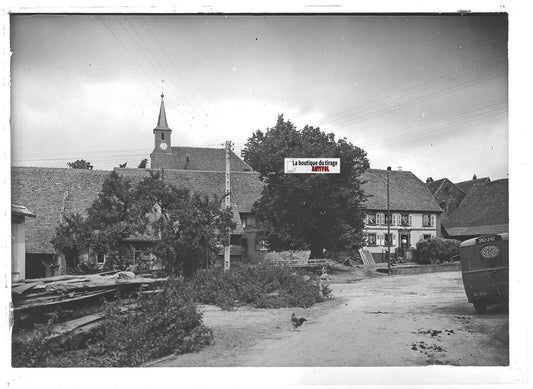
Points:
[(394, 239), (432, 220), (410, 220), (393, 219)]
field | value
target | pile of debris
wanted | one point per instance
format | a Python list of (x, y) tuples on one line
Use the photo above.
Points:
[(47, 294)]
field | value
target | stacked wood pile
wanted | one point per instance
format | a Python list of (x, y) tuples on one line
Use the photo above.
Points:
[(46, 294)]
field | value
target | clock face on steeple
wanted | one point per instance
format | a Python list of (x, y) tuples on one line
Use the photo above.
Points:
[(163, 146)]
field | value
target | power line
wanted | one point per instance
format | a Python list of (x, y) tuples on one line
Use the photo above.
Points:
[(442, 116), (419, 99), (162, 67), (182, 106), (425, 86), (179, 75)]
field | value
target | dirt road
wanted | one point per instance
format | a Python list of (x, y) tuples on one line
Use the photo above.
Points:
[(387, 321)]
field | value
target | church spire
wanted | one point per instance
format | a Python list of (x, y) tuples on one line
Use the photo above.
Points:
[(162, 120)]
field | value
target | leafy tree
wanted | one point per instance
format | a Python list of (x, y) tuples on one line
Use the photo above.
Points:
[(187, 226), (143, 164), (122, 165), (302, 211), (72, 235), (190, 225), (474, 177), (80, 164)]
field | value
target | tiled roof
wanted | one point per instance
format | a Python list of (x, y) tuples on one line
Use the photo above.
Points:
[(49, 193), (485, 205), (407, 192), (205, 159), (465, 186), (435, 185), (245, 186), (53, 192)]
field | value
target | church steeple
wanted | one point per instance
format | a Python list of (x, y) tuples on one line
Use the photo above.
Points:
[(162, 120), (162, 132)]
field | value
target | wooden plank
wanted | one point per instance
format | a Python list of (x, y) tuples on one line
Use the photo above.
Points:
[(20, 289), (63, 301)]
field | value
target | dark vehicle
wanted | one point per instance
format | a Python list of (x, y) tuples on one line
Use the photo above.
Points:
[(485, 265)]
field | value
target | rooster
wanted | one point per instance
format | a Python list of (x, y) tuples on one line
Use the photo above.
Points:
[(297, 321)]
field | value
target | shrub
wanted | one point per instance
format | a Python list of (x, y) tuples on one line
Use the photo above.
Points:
[(437, 250), (260, 286)]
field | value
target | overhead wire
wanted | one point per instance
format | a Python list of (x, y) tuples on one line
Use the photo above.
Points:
[(191, 108), (184, 82), (188, 115)]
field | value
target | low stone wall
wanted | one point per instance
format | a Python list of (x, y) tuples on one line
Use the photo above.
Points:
[(420, 269)]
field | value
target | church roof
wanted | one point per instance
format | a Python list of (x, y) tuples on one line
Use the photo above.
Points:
[(205, 159)]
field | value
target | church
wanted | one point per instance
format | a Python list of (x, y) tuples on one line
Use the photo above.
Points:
[(52, 193), (167, 156)]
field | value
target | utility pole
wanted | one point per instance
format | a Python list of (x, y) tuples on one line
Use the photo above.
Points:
[(388, 221), (227, 248)]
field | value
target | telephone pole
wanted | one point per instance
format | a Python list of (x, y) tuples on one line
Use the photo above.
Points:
[(389, 238), (227, 247)]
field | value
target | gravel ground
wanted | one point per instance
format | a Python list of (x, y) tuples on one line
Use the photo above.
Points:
[(416, 320)]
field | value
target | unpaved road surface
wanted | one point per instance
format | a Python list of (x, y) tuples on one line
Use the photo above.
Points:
[(414, 320)]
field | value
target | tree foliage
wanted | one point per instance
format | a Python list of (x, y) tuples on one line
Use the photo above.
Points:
[(301, 211), (80, 164), (143, 164), (186, 226)]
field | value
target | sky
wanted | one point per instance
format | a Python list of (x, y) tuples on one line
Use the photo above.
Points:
[(424, 93)]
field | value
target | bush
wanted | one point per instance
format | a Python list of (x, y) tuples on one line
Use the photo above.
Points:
[(163, 323), (437, 250), (260, 286)]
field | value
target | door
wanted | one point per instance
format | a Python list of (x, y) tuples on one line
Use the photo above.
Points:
[(405, 242)]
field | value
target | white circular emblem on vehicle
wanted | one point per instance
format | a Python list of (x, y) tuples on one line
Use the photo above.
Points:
[(490, 252)]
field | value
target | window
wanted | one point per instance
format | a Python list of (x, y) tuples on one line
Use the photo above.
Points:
[(427, 236), (371, 240), (388, 219), (243, 222), (443, 206), (162, 136), (387, 238), (404, 220), (427, 220), (371, 219)]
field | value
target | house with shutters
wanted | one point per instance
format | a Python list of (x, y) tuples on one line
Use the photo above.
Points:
[(414, 212)]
